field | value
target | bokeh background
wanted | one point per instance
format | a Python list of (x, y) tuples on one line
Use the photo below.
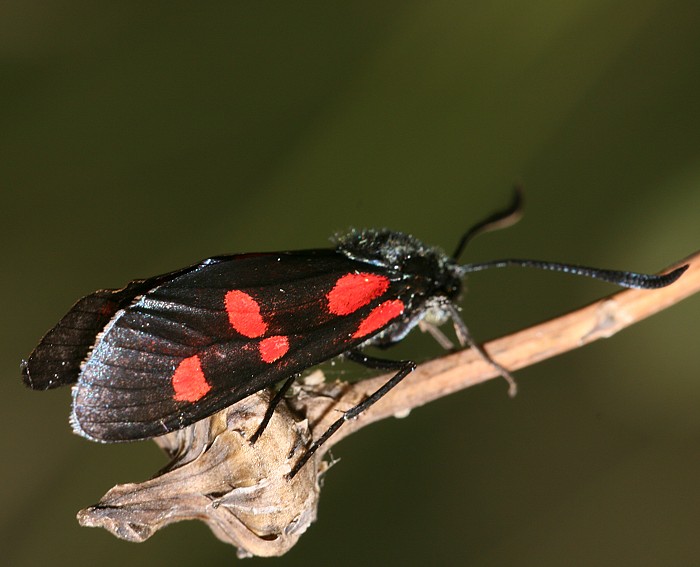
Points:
[(136, 138)]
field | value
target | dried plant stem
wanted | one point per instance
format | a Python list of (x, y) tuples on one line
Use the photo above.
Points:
[(461, 370), (242, 490)]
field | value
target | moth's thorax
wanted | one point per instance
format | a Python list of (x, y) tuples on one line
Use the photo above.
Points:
[(430, 278), (432, 272)]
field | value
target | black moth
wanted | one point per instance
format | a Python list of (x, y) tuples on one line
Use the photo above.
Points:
[(165, 352)]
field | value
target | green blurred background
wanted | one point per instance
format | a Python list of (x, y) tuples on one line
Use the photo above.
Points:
[(136, 138)]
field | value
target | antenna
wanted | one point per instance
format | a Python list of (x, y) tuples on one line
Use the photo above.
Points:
[(500, 219), (512, 213), (623, 279)]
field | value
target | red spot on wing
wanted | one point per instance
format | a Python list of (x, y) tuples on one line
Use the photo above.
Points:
[(189, 382), (273, 348), (244, 314), (379, 316), (353, 291)]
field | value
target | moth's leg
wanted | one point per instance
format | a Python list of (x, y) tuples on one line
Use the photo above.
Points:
[(271, 408), (465, 339), (402, 368), (435, 332)]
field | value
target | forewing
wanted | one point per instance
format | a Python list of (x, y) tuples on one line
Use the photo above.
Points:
[(216, 334)]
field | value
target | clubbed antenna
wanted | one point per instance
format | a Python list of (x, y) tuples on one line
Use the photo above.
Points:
[(500, 219), (623, 279)]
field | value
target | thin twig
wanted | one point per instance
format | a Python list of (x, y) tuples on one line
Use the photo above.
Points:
[(454, 372)]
